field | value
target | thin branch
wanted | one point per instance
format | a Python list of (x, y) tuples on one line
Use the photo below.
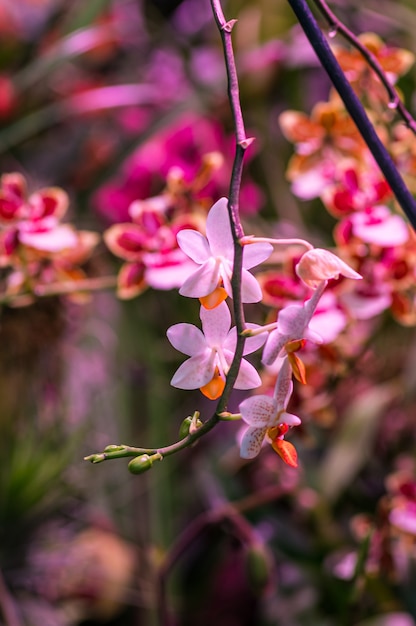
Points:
[(337, 26), (354, 107), (242, 143)]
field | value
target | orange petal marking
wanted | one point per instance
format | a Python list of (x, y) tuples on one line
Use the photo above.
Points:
[(215, 387), (214, 298), (298, 367), (286, 451)]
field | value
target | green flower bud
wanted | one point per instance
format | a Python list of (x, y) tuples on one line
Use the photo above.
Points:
[(142, 463), (113, 448), (184, 427)]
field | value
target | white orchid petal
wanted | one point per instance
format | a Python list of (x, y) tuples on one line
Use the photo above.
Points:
[(313, 336), (258, 411), (186, 338), (202, 282), (289, 419), (250, 288), (273, 347), (216, 324), (195, 372), (284, 385), (256, 253), (248, 377), (251, 442), (219, 230), (194, 244)]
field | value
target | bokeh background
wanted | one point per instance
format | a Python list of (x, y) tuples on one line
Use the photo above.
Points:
[(103, 98)]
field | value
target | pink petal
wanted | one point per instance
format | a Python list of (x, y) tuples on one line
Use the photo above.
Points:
[(258, 411), (248, 377), (274, 344), (194, 244), (252, 343), (251, 442), (289, 419), (250, 288), (284, 386), (216, 324), (219, 230), (203, 281), (195, 372), (256, 253), (60, 238), (187, 338)]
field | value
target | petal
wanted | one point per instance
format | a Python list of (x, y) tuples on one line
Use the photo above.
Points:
[(56, 240), (216, 324), (195, 372), (202, 282), (219, 230), (248, 377), (252, 343), (250, 288), (251, 442), (286, 451), (289, 419), (169, 276), (274, 344), (256, 253), (131, 281), (126, 241), (45, 202), (187, 338), (194, 244), (258, 410), (284, 386)]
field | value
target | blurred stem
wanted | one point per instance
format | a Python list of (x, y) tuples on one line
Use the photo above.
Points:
[(354, 107)]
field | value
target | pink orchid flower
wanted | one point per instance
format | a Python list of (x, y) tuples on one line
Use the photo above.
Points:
[(215, 255), (293, 325), (211, 352), (267, 416)]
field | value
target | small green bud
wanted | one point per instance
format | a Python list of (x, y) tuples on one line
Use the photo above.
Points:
[(142, 463), (185, 426), (113, 448), (95, 458)]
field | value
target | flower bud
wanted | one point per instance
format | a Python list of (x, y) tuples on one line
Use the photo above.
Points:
[(318, 265), (142, 463), (184, 427)]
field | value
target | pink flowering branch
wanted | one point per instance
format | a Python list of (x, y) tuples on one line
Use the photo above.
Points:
[(147, 456), (336, 26)]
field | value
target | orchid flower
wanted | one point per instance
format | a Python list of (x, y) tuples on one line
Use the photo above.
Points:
[(215, 255), (211, 352), (292, 327), (318, 264), (266, 416)]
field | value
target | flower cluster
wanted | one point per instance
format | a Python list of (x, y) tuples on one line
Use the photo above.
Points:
[(35, 247), (332, 162), (212, 350)]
